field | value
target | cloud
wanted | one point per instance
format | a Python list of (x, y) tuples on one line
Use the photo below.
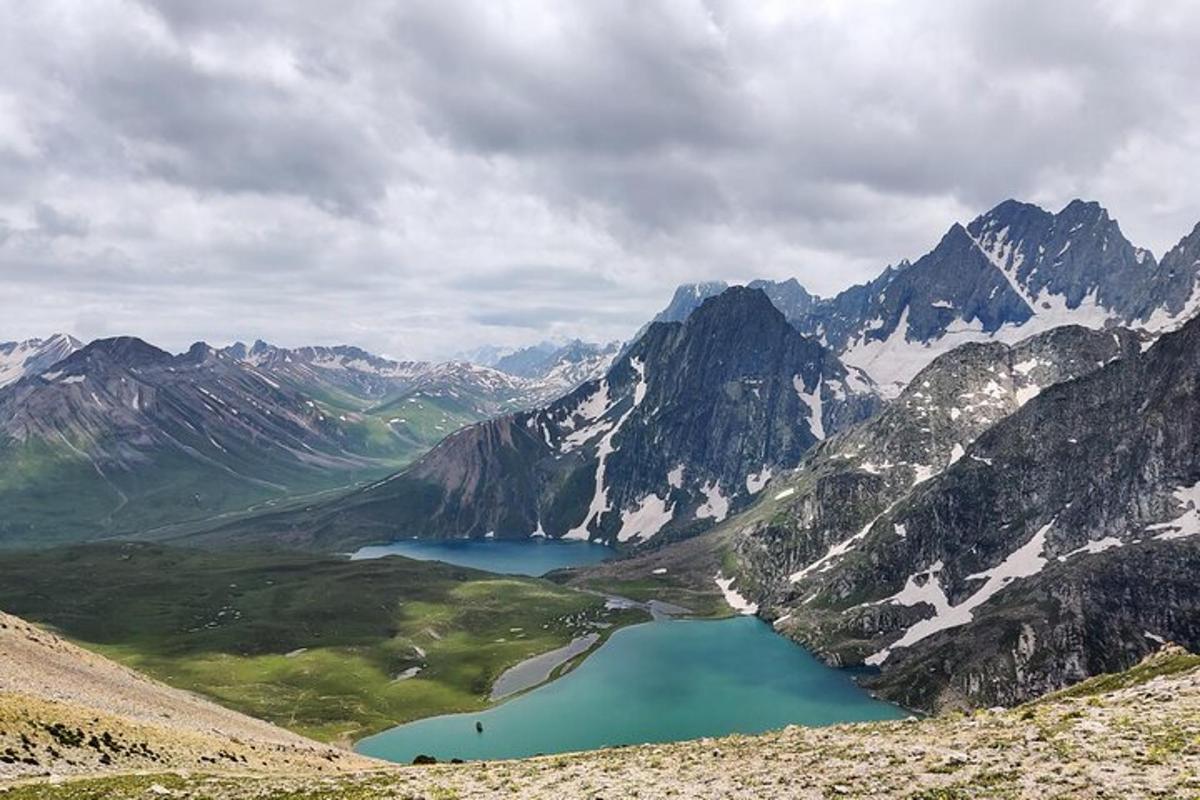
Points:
[(422, 177)]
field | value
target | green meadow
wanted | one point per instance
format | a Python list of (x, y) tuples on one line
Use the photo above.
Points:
[(327, 647)]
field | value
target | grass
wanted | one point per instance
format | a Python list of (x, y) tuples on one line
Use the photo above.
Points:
[(1169, 662), (52, 496), (311, 643)]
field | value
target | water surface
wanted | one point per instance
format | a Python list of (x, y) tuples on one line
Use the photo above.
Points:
[(527, 557), (657, 682)]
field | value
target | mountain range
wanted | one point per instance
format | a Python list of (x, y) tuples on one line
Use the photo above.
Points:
[(1011, 272), (1016, 514), (975, 474), (688, 423), (141, 438)]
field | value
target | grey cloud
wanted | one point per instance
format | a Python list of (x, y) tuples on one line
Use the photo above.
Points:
[(410, 176), (53, 222), (521, 278)]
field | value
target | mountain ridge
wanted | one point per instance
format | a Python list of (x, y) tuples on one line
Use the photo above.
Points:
[(1057, 544), (691, 418), (1011, 272)]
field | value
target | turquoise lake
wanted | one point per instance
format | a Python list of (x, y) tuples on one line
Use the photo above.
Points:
[(656, 682), (530, 557)]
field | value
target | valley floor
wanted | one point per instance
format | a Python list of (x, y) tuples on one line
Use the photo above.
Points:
[(1134, 735)]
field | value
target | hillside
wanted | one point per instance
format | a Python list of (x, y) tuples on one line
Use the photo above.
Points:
[(1134, 735), (66, 710), (140, 437)]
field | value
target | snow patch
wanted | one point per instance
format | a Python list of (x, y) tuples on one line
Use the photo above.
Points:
[(1098, 546), (812, 401), (647, 519), (1186, 524), (956, 452), (716, 505), (756, 482), (1025, 561), (675, 477), (733, 598), (604, 449)]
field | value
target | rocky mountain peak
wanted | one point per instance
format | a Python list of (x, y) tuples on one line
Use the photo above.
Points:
[(687, 425), (687, 298), (735, 306), (120, 351), (1011, 272)]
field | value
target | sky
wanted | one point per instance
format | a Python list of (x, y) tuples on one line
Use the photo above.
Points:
[(422, 178)]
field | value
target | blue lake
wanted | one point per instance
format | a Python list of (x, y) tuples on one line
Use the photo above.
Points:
[(657, 682), (529, 557)]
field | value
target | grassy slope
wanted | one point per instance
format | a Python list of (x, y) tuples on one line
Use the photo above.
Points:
[(51, 495), (229, 625)]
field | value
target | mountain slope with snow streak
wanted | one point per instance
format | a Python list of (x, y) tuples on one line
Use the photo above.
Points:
[(1062, 541), (33, 356), (673, 438)]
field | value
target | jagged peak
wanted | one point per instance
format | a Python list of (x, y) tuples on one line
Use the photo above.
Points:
[(736, 302), (1188, 245), (1011, 208), (199, 352), (1079, 207)]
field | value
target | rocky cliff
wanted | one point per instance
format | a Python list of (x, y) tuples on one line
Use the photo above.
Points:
[(686, 426)]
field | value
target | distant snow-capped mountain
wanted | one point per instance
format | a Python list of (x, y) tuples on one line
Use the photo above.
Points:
[(356, 376), (1012, 272), (18, 359)]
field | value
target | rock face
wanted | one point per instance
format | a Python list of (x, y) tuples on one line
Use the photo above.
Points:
[(851, 479), (687, 425), (1061, 542), (1012, 272)]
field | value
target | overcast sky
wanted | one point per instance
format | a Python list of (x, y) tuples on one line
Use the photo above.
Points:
[(424, 177)]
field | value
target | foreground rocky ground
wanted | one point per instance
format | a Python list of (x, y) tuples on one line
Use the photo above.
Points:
[(67, 711), (1132, 735)]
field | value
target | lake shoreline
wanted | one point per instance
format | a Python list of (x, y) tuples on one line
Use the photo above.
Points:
[(774, 683)]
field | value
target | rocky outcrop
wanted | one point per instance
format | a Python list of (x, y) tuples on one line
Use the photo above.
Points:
[(1063, 541)]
